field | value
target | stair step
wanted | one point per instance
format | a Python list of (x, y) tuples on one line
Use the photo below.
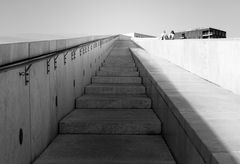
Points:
[(115, 64), (119, 64), (110, 121), (106, 149), (117, 73), (113, 101), (116, 80), (115, 89), (119, 69), (131, 62), (122, 54), (124, 69), (119, 59)]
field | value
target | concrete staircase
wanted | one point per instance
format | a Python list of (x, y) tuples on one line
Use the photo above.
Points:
[(113, 121)]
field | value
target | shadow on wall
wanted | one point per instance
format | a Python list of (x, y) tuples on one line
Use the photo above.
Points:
[(198, 124), (34, 97)]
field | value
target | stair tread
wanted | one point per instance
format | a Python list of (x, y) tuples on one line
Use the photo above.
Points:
[(104, 96), (115, 101), (115, 73), (111, 115), (107, 149), (111, 121), (123, 89), (115, 85), (119, 66), (116, 80)]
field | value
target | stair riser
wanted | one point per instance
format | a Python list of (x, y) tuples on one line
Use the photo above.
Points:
[(114, 103), (116, 80), (118, 70), (119, 58), (117, 73), (118, 65), (120, 61), (126, 127), (114, 90), (124, 69)]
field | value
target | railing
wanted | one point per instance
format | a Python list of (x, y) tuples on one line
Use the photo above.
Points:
[(38, 91), (83, 48)]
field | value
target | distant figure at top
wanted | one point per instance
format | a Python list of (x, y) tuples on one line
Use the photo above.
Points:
[(171, 35), (164, 35), (183, 36)]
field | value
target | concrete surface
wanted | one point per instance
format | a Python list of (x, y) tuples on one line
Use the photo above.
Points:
[(113, 101), (216, 60), (107, 149), (41, 113), (200, 119), (14, 115), (118, 64), (38, 48), (115, 109), (115, 89), (110, 121), (11, 52), (37, 107), (117, 73), (116, 80), (119, 68)]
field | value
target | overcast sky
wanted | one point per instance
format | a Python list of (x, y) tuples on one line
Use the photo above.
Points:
[(117, 16)]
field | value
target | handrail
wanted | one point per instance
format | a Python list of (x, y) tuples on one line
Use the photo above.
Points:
[(31, 60)]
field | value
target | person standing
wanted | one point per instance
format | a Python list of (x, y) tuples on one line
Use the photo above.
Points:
[(183, 36), (164, 35), (171, 35)]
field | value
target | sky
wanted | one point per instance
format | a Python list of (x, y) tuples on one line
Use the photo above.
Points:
[(101, 17)]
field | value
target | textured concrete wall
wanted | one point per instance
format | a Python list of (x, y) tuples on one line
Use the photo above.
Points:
[(35, 109), (214, 60)]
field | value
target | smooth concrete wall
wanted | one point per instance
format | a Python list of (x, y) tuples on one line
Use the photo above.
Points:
[(216, 60), (36, 108), (11, 52), (199, 119), (181, 147)]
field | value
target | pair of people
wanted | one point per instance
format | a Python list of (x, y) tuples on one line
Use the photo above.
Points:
[(164, 35)]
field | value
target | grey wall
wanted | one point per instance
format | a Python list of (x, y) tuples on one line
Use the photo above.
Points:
[(33, 107)]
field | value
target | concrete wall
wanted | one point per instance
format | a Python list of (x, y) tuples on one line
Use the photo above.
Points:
[(214, 60), (179, 143), (32, 111), (199, 119), (10, 52)]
